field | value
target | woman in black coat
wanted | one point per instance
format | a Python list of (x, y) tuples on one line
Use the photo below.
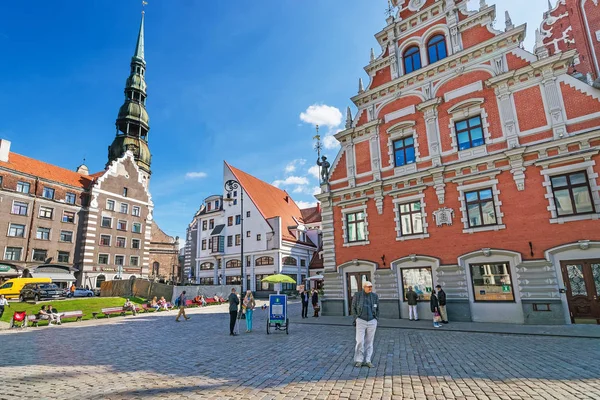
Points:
[(315, 302), (435, 307)]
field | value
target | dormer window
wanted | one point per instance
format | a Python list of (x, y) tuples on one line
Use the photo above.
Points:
[(436, 48), (412, 59)]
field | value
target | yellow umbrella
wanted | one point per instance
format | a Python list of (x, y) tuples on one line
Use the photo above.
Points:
[(278, 278)]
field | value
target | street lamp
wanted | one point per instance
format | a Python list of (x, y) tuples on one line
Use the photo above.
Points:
[(230, 186)]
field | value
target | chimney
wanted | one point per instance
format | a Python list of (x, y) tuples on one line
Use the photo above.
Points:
[(318, 207), (4, 150)]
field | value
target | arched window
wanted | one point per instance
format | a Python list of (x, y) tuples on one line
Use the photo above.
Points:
[(412, 59), (99, 280), (233, 264), (264, 261), (290, 261), (155, 268), (436, 48), (207, 265)]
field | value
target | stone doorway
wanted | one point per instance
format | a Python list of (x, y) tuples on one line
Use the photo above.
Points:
[(582, 282)]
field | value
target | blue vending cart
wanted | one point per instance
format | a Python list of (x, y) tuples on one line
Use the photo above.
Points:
[(278, 313)]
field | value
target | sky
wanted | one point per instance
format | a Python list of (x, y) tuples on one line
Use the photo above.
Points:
[(241, 81)]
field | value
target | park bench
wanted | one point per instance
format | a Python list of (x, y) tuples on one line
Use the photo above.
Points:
[(78, 315), (115, 310)]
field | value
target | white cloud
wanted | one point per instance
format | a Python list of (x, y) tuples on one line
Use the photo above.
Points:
[(291, 180), (298, 189), (292, 165), (314, 171), (330, 142), (306, 204), (316, 190), (323, 115), (195, 175)]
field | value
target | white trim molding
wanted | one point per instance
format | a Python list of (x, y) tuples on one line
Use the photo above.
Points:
[(410, 199), (351, 210), (463, 188)]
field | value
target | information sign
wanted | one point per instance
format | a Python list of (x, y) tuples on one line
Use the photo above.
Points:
[(277, 308)]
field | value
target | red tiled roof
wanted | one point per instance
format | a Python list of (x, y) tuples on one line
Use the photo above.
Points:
[(311, 215), (30, 166), (270, 201)]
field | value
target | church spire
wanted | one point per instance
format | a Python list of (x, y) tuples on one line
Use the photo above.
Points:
[(133, 123)]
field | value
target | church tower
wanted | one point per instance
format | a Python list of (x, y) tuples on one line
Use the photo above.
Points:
[(133, 121)]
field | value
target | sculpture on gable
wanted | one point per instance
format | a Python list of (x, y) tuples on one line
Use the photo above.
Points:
[(324, 165)]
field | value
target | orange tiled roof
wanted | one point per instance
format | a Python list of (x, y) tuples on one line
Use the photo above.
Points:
[(30, 166), (311, 215), (270, 201)]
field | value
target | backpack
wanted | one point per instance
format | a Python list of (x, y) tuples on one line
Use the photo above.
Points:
[(177, 301)]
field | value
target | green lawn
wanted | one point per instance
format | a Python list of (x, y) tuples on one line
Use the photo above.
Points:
[(88, 305)]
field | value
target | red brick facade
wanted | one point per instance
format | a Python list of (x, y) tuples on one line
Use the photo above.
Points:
[(532, 122)]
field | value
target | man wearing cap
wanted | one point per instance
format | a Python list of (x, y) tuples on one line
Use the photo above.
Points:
[(365, 309)]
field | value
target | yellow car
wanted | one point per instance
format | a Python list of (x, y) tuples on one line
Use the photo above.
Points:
[(11, 289)]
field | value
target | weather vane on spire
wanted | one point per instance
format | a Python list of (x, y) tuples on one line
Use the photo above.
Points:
[(390, 9), (321, 161), (144, 4), (318, 145)]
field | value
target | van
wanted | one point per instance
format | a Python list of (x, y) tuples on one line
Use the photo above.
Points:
[(12, 287)]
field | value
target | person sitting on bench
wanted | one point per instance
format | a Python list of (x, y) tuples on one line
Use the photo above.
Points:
[(129, 306)]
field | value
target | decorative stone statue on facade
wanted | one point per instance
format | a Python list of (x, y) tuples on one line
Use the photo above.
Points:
[(324, 165)]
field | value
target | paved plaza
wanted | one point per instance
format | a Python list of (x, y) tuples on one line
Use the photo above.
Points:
[(152, 356)]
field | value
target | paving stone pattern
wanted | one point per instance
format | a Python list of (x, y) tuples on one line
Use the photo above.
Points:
[(153, 357)]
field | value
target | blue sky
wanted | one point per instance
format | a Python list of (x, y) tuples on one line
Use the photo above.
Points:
[(227, 80)]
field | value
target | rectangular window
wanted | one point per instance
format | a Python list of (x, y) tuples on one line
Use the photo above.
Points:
[(134, 261), (16, 230), (211, 224), (124, 208), (411, 219), (248, 234), (217, 205), (106, 222), (135, 243), (355, 227), (233, 280), (103, 259), (209, 206), (258, 237), (491, 282), (46, 212), (247, 214), (469, 133), (122, 225), (63, 256), (203, 244), (238, 239), (66, 236), (70, 198), (68, 216), (110, 205), (48, 193), (235, 202), (136, 227), (229, 221), (303, 263), (404, 151), (13, 253), (204, 225), (43, 234), (207, 281), (217, 244), (121, 241), (421, 281), (39, 255), (229, 241), (125, 191), (238, 219), (119, 260), (104, 240), (23, 187), (480, 208), (20, 208), (135, 211), (572, 194)]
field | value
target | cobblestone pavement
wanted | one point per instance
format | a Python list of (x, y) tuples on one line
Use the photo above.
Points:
[(152, 356)]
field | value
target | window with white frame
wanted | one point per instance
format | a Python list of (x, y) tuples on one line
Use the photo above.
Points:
[(404, 151), (135, 243), (70, 198), (42, 233), (572, 191), (16, 230), (110, 205), (106, 222), (121, 225), (136, 227), (48, 193), (480, 206), (69, 217), (135, 211), (13, 253), (469, 128), (119, 260), (23, 187), (103, 259), (66, 236), (104, 240), (134, 261), (39, 255), (355, 226), (19, 208), (469, 133), (120, 242), (63, 256), (124, 208), (46, 212)]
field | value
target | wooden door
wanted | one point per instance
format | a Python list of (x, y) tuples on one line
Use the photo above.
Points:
[(582, 281), (354, 282)]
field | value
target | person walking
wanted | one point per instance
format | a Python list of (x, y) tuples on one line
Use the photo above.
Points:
[(181, 301), (3, 303), (315, 303), (441, 295), (305, 297), (234, 302), (411, 298), (435, 309), (365, 309), (249, 305)]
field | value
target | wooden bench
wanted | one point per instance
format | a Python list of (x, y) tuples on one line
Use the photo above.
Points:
[(116, 310), (78, 315)]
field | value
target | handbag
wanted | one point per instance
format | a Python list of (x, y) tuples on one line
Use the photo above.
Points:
[(437, 317)]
